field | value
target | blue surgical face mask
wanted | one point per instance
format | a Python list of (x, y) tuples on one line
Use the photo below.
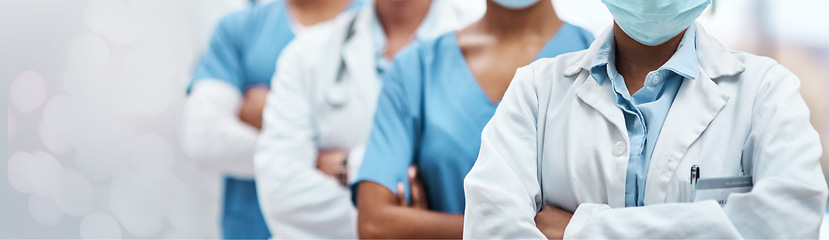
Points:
[(516, 4), (653, 22)]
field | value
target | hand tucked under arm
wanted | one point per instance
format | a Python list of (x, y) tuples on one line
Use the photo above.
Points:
[(552, 222), (382, 214), (252, 106)]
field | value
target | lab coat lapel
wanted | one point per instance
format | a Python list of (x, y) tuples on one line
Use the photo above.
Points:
[(599, 97), (358, 52), (602, 99), (696, 104)]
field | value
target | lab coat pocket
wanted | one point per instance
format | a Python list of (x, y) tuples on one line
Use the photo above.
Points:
[(681, 191), (718, 189)]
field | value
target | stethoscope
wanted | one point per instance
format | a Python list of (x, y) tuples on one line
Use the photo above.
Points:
[(337, 94)]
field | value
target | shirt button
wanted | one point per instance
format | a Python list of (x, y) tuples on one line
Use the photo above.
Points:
[(619, 149), (656, 79)]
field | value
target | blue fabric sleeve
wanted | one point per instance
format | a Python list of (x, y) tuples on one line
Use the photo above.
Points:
[(223, 58), (394, 136)]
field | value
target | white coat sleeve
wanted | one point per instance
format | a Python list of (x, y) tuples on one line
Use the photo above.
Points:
[(297, 200), (502, 190), (212, 133), (789, 192)]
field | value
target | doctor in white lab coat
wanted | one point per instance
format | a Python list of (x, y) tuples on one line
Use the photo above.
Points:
[(558, 146), (323, 98)]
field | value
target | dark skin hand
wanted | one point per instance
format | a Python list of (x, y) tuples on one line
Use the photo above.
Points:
[(252, 105), (386, 215), (332, 163), (418, 194), (552, 222)]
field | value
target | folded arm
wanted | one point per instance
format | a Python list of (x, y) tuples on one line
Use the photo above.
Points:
[(213, 134), (787, 200), (382, 216), (297, 199)]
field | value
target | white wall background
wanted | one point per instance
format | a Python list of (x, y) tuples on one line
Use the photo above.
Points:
[(96, 87)]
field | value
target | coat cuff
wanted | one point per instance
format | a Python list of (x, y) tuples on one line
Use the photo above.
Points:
[(580, 217)]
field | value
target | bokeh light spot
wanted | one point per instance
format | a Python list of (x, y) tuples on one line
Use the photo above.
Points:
[(44, 174), (20, 165), (27, 91), (55, 125)]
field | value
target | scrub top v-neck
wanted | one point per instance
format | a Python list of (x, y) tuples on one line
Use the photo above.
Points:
[(431, 113)]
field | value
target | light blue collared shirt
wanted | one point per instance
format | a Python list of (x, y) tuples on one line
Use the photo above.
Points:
[(646, 110)]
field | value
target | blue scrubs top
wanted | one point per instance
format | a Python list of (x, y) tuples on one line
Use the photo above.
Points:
[(243, 52), (431, 112), (645, 111)]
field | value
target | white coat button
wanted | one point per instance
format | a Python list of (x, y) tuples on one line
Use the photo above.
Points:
[(619, 149)]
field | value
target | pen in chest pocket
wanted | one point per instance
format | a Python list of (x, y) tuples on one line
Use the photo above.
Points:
[(694, 174), (694, 180)]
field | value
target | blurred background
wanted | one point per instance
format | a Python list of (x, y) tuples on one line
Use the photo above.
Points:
[(96, 87)]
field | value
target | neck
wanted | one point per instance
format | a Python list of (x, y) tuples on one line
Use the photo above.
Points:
[(536, 19), (310, 4), (310, 12), (401, 17), (635, 58)]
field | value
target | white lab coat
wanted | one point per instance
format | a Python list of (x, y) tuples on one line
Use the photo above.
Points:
[(212, 133), (297, 200), (559, 139)]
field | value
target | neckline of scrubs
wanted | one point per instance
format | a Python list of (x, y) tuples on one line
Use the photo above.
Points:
[(458, 53)]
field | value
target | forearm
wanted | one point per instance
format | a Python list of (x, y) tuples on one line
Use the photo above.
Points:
[(775, 208), (405, 222), (383, 215)]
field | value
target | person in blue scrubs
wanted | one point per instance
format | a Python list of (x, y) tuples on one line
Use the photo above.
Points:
[(436, 100), (237, 68)]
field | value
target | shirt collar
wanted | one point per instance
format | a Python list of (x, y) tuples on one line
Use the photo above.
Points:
[(684, 61)]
